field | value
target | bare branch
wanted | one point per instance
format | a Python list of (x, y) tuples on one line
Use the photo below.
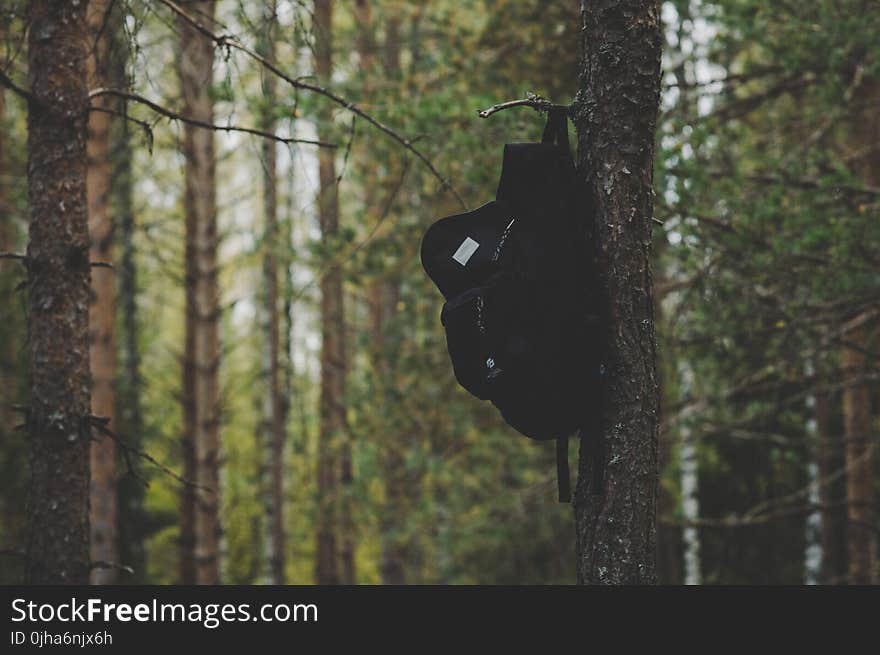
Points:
[(739, 521), (347, 255), (532, 100), (173, 115), (24, 259), (144, 125), (6, 81), (14, 256), (769, 179), (100, 423), (539, 104), (231, 42)]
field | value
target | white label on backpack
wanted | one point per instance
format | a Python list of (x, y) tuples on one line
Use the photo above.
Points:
[(467, 248)]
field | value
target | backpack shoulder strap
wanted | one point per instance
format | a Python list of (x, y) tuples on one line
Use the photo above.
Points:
[(563, 482), (556, 130)]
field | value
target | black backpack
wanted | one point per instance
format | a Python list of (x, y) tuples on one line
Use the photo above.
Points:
[(521, 312)]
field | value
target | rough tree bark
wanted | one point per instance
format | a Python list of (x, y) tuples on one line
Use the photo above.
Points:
[(58, 295), (331, 471), (102, 342), (274, 420), (615, 114), (200, 517)]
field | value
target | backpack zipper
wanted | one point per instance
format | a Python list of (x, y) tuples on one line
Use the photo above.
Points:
[(504, 236)]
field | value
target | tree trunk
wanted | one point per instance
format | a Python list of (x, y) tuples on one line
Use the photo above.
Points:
[(202, 357), (7, 226), (861, 340), (102, 341), (8, 243), (391, 563), (615, 115), (858, 454), (132, 518), (670, 544), (395, 550), (333, 365), (689, 467), (58, 295), (690, 508), (815, 524), (274, 421), (384, 294), (827, 463)]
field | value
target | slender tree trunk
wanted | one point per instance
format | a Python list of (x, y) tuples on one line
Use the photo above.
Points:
[(669, 535), (814, 553), (58, 295), (690, 508), (7, 226), (861, 339), (102, 341), (688, 462), (202, 356), (8, 241), (828, 460), (858, 453), (132, 519), (274, 421), (615, 115), (288, 377), (187, 571), (384, 293), (331, 472), (395, 550)]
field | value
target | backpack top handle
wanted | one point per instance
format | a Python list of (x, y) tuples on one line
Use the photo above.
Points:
[(556, 130)]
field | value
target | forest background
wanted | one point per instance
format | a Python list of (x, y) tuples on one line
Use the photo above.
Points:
[(766, 266)]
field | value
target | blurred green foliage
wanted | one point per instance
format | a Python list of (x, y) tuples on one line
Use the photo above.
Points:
[(767, 246)]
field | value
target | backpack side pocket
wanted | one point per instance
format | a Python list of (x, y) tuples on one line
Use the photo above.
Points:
[(463, 319)]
